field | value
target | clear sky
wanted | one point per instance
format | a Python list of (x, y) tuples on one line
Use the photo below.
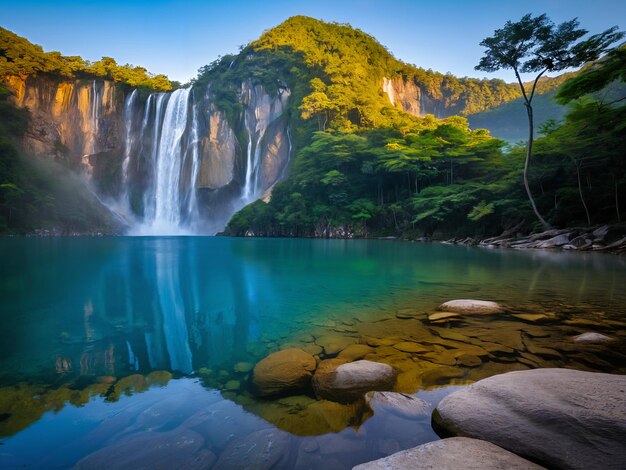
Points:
[(178, 37)]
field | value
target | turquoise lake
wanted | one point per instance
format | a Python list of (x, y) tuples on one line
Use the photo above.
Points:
[(111, 347)]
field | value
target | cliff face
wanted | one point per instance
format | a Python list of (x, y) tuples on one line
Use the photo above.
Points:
[(73, 118), (412, 98), (163, 160)]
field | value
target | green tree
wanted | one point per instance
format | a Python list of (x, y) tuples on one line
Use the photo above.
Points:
[(537, 45)]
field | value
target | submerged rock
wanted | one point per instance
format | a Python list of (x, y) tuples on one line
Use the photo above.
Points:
[(592, 338), (283, 372), (559, 417), (349, 382), (399, 404), (180, 448), (443, 316), (260, 450), (452, 454), (471, 307)]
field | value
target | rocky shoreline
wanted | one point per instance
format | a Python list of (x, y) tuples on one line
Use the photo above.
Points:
[(603, 238)]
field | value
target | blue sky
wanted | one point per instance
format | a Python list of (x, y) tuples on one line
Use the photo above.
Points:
[(178, 37)]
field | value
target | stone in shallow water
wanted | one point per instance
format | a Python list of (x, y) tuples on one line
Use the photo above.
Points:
[(411, 347), (531, 317), (283, 372), (260, 450), (354, 352), (180, 448), (559, 417), (443, 316), (471, 307), (349, 382), (592, 338), (399, 404), (452, 454), (334, 343), (468, 360)]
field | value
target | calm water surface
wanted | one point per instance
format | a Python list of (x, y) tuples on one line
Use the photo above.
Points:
[(111, 347)]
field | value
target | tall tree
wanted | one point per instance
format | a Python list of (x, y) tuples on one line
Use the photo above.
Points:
[(537, 45)]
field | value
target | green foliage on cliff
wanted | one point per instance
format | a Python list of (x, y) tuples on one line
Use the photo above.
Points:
[(20, 57)]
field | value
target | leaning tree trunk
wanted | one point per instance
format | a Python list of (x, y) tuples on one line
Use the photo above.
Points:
[(580, 192), (529, 148)]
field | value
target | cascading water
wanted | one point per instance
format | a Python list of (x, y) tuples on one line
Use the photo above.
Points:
[(167, 215), (247, 188), (130, 136)]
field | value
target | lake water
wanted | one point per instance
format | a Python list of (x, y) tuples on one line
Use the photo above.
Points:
[(131, 351)]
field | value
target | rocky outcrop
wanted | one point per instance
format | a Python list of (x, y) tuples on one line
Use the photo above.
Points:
[(283, 372), (69, 118), (560, 418), (452, 454), (349, 382), (218, 150)]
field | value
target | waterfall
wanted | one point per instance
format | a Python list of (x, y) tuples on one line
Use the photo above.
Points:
[(248, 182), (173, 139), (95, 116), (388, 88), (149, 204), (129, 140), (192, 201), (167, 194)]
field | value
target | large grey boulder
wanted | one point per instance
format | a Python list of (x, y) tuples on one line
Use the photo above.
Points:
[(471, 307), (349, 382), (560, 418), (452, 454), (286, 371)]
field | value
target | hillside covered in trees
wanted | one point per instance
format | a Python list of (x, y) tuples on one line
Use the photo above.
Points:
[(372, 170)]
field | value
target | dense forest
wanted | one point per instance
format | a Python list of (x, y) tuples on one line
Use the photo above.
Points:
[(19, 57)]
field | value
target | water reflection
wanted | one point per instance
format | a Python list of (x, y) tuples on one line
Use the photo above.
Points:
[(117, 306)]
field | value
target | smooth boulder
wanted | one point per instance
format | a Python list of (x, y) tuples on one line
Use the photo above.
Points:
[(592, 338), (349, 382), (282, 372), (452, 454), (471, 307), (560, 418)]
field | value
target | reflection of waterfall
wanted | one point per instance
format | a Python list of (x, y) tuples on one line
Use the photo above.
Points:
[(172, 310)]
